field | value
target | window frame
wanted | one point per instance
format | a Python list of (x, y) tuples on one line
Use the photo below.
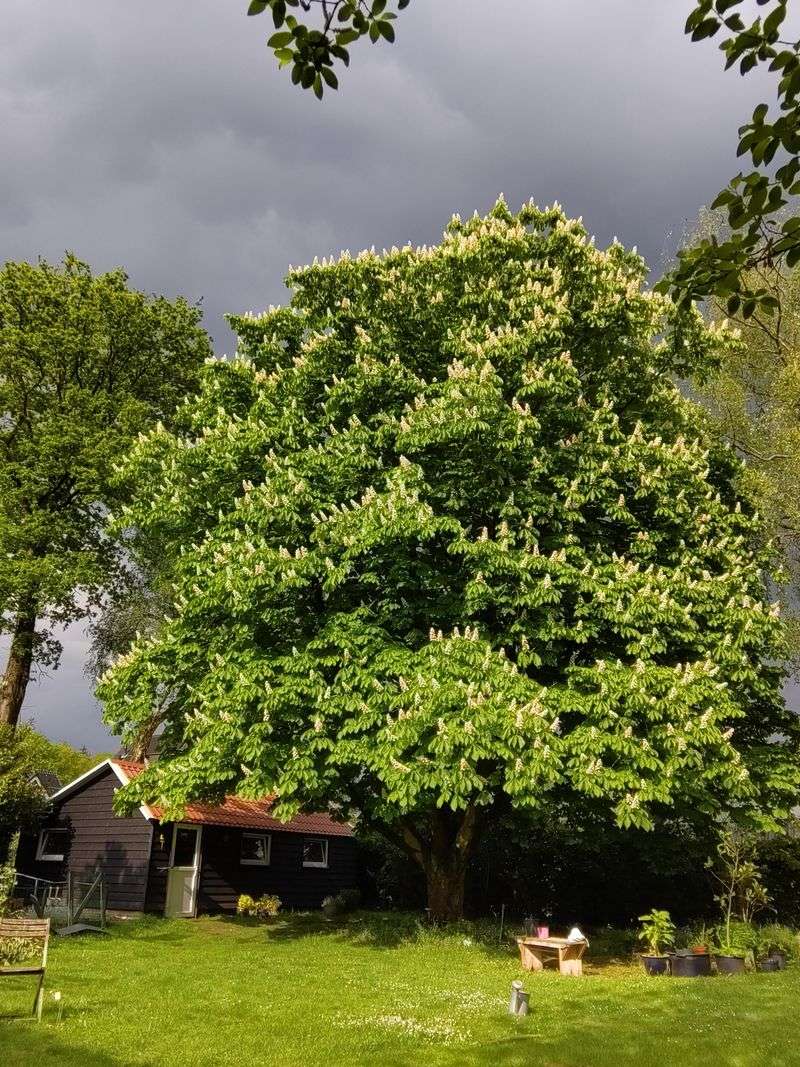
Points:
[(50, 857), (314, 863), (259, 836)]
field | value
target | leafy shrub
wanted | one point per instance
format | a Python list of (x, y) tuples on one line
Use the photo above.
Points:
[(608, 941), (341, 903), (776, 938), (779, 859), (15, 950), (736, 938), (266, 907), (657, 931)]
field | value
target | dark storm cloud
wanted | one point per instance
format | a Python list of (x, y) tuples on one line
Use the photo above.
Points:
[(160, 137)]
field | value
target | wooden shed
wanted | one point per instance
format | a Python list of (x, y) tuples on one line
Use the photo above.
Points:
[(201, 864)]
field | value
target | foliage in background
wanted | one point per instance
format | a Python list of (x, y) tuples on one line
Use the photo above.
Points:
[(59, 757), (570, 863), (445, 532), (778, 859), (136, 607), (742, 894), (761, 236), (774, 937), (86, 363), (754, 403), (21, 801), (312, 48)]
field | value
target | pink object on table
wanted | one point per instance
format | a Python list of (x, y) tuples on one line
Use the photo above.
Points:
[(542, 931)]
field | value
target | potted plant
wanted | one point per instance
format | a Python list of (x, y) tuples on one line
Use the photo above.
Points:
[(657, 931), (730, 959), (775, 945), (742, 895), (735, 943), (699, 944)]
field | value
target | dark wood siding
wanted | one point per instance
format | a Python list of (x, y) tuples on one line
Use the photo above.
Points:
[(159, 862), (99, 840), (223, 878)]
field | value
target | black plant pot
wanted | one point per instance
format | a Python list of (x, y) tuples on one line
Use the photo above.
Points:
[(771, 963), (780, 958), (656, 964), (690, 965), (729, 964)]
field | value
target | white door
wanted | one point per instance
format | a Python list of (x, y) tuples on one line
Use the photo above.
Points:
[(184, 871)]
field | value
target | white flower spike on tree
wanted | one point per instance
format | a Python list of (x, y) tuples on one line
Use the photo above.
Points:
[(447, 530)]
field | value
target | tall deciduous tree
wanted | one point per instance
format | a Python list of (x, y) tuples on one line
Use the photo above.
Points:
[(86, 363), (446, 531)]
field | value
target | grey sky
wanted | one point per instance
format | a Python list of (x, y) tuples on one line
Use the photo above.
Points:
[(160, 137)]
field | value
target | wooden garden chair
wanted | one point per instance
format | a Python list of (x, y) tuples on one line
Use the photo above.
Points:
[(28, 930)]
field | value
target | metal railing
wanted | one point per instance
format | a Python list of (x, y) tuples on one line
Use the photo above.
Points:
[(44, 894)]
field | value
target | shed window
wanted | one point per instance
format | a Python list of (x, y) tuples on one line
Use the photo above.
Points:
[(315, 852), (52, 844), (256, 849)]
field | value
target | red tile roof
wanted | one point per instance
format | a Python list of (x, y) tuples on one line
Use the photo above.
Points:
[(246, 814)]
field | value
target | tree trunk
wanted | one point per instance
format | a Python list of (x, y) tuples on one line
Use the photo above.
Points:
[(445, 884), (18, 669), (443, 854)]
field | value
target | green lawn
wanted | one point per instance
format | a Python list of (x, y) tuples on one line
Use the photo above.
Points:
[(375, 989)]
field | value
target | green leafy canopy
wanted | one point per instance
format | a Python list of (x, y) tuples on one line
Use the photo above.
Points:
[(445, 530), (86, 363)]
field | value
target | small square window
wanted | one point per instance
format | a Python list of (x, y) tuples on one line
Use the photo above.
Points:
[(53, 844), (315, 852), (256, 849)]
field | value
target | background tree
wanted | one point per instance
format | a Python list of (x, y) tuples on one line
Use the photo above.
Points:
[(754, 402), (58, 757), (86, 363), (21, 800), (447, 532), (137, 607)]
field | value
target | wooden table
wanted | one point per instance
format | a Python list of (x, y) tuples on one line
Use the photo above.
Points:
[(535, 952)]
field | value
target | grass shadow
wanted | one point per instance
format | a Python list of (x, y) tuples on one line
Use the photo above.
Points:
[(379, 930), (45, 1047), (392, 930)]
